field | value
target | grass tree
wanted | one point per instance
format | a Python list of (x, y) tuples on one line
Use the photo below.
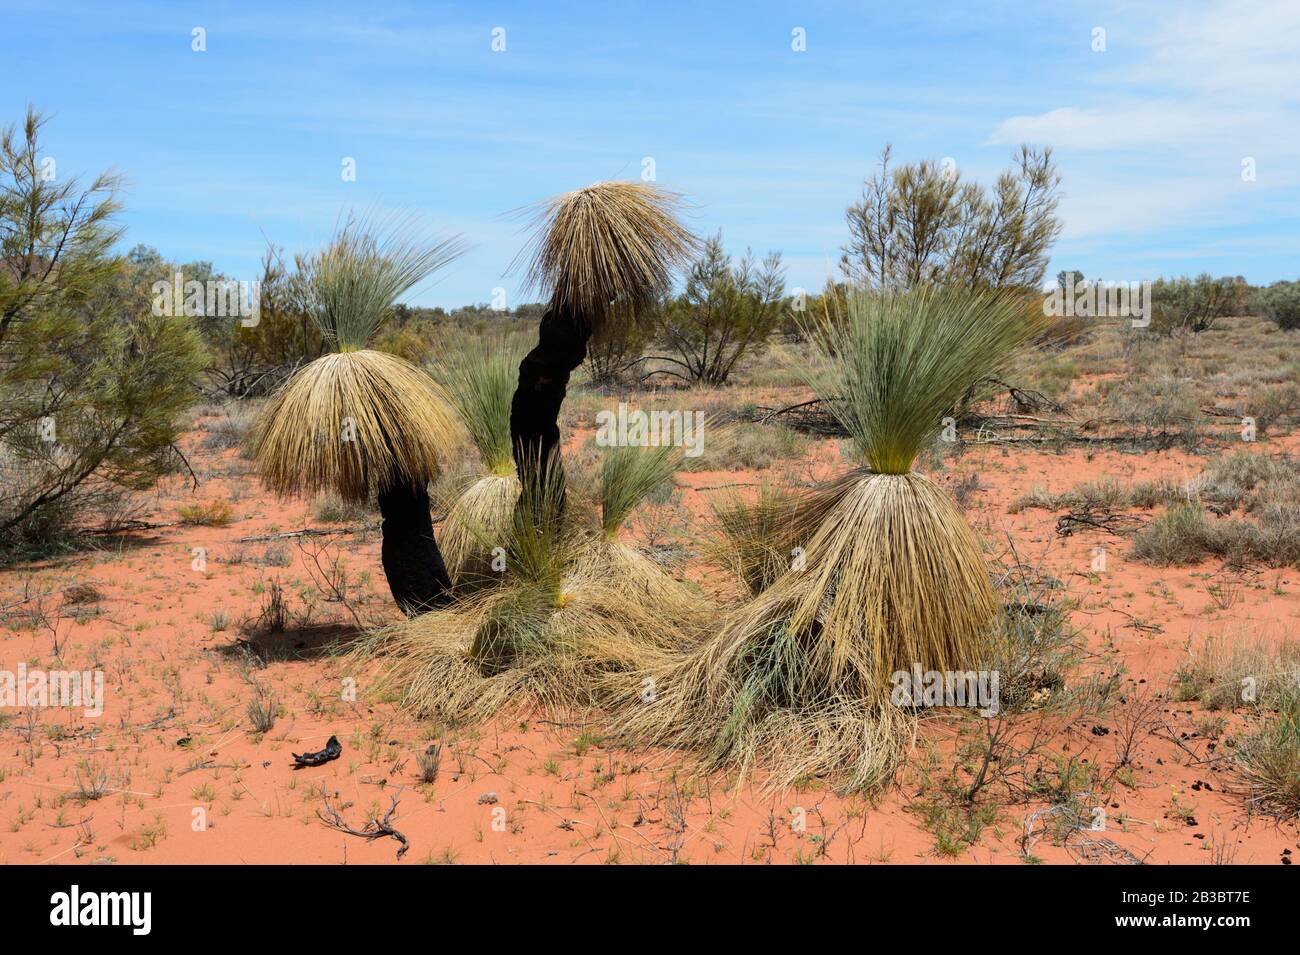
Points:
[(608, 246), (886, 575), (360, 422), (576, 611), (479, 380)]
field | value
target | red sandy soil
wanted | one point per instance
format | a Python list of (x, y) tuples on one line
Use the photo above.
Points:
[(177, 745)]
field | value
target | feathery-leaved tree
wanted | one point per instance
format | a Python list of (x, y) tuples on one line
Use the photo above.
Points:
[(361, 422), (92, 383)]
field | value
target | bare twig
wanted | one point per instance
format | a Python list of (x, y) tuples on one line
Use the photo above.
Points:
[(374, 829)]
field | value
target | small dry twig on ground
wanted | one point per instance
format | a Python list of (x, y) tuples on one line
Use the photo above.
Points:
[(375, 828)]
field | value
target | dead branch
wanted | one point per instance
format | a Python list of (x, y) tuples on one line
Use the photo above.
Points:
[(311, 532), (1115, 524), (375, 828)]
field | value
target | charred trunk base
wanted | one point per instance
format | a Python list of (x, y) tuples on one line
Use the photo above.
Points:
[(412, 562)]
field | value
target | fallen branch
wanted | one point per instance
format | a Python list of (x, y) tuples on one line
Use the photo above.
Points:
[(310, 532), (1115, 524), (131, 525), (375, 828)]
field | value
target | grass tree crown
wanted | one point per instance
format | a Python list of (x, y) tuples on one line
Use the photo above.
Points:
[(357, 278), (358, 421), (895, 363), (610, 242)]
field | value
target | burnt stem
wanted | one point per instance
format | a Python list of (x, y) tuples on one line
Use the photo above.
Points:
[(412, 562), (543, 381)]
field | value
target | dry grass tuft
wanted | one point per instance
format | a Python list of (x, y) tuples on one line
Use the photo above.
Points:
[(759, 539), (575, 613), (521, 648), (800, 674), (353, 423), (476, 524), (612, 241)]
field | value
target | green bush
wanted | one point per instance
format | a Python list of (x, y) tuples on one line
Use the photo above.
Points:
[(727, 310), (92, 383), (1194, 305), (1280, 303)]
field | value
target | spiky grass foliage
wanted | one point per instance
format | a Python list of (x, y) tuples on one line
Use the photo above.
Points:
[(354, 423), (359, 421), (565, 626), (480, 380), (757, 538), (366, 267), (891, 574), (609, 242), (627, 475), (1268, 761), (896, 364)]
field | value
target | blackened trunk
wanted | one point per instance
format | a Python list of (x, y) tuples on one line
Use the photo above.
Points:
[(543, 380), (412, 562)]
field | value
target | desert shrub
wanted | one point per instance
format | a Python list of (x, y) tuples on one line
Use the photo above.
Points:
[(206, 513), (616, 346), (1185, 534), (1247, 480), (418, 341), (332, 509), (727, 310), (921, 224), (1268, 760), (248, 355), (1224, 671), (1194, 305), (1280, 303), (1164, 410), (92, 382), (750, 446), (1104, 495), (1181, 535), (1268, 404), (229, 426)]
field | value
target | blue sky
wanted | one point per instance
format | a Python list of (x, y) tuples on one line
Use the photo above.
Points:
[(227, 148)]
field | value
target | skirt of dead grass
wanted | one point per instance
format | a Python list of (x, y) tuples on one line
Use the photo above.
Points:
[(527, 647), (797, 680)]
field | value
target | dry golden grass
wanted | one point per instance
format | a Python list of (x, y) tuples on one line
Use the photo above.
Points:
[(353, 423), (475, 524), (800, 676), (894, 576), (479, 379), (612, 241), (756, 537), (572, 615), (520, 648)]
